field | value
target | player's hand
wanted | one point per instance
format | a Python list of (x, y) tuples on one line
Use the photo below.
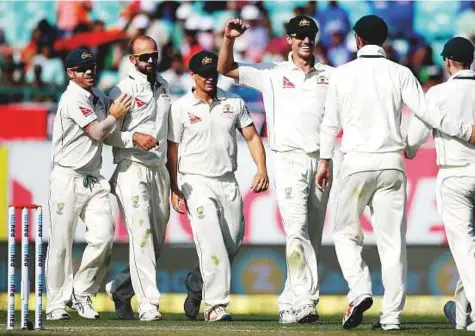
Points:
[(121, 106), (323, 176), (472, 137), (145, 141), (235, 28), (260, 182), (178, 201)]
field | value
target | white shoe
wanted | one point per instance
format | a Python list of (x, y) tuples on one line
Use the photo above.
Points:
[(389, 327), (151, 315), (306, 314), (217, 313), (58, 314), (287, 316), (354, 313), (83, 305), (471, 327)]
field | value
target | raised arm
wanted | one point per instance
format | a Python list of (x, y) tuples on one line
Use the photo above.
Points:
[(226, 64)]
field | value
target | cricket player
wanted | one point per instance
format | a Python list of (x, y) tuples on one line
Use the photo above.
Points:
[(294, 93), (365, 98), (77, 190), (141, 181), (203, 150), (455, 186)]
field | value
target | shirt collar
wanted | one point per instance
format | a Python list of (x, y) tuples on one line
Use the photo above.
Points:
[(371, 51), (80, 90), (220, 95), (463, 73), (295, 67), (142, 78)]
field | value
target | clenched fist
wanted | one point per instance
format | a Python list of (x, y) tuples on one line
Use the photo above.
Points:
[(235, 28), (145, 141), (121, 106)]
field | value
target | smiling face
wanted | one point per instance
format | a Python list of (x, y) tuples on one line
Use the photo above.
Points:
[(206, 82), (302, 44), (84, 75)]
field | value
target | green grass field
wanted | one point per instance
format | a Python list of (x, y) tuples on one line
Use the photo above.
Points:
[(178, 325)]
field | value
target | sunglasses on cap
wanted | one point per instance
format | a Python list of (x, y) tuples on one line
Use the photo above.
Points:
[(144, 57), (85, 67), (302, 36)]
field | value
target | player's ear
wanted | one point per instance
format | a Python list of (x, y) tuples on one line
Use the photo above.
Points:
[(289, 39), (133, 60), (70, 73)]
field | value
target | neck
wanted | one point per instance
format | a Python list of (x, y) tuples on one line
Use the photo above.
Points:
[(454, 70), (304, 64), (204, 96), (88, 89)]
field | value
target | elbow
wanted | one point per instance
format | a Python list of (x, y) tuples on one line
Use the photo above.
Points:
[(222, 69)]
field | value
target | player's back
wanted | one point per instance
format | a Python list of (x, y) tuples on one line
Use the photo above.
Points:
[(370, 97), (457, 100)]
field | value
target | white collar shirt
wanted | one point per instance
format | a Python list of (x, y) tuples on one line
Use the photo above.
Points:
[(149, 115), (293, 101), (72, 147), (207, 133)]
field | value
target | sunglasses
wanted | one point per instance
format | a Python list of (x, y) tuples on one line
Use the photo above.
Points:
[(85, 68), (302, 36), (144, 57)]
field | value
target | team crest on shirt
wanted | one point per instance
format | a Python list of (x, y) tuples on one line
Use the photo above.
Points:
[(322, 79), (287, 84), (227, 109), (139, 102), (193, 118), (200, 210), (288, 192), (86, 111), (59, 208), (135, 201)]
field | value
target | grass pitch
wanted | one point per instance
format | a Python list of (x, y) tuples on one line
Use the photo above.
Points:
[(178, 325)]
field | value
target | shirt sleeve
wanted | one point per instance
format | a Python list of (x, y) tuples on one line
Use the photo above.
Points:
[(114, 93), (432, 113), (82, 113), (254, 75), (331, 121), (175, 124), (416, 136), (244, 117)]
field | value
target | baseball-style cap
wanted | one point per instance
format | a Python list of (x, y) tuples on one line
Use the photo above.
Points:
[(301, 24), (372, 29), (458, 49), (204, 62), (79, 57)]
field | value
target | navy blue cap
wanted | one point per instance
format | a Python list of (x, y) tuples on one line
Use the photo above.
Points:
[(301, 24), (459, 49), (372, 29), (204, 62), (79, 57)]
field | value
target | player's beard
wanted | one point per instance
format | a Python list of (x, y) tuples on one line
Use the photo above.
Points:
[(148, 69)]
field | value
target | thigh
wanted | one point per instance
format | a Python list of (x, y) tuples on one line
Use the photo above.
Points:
[(231, 217), (160, 200)]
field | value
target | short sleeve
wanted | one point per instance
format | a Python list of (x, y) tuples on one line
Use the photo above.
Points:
[(254, 75), (115, 93), (244, 117), (82, 113), (175, 124)]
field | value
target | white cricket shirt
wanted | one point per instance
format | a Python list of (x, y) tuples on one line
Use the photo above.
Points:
[(149, 115), (72, 147), (365, 98), (206, 133), (293, 101), (456, 100)]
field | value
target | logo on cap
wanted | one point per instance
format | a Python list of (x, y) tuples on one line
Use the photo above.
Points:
[(206, 60), (85, 55), (304, 22)]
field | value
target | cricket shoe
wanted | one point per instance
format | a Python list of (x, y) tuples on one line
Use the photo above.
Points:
[(217, 313), (123, 308), (450, 312), (151, 315), (193, 298), (386, 327), (306, 313), (83, 305), (287, 316), (354, 312), (58, 314)]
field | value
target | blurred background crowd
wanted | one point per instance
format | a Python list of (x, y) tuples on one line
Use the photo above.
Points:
[(36, 36)]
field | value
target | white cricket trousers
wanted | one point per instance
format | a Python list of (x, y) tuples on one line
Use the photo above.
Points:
[(143, 194), (70, 200), (214, 207), (385, 193), (463, 309), (455, 202), (302, 207)]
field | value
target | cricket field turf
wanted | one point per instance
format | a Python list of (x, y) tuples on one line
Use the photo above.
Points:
[(177, 325)]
